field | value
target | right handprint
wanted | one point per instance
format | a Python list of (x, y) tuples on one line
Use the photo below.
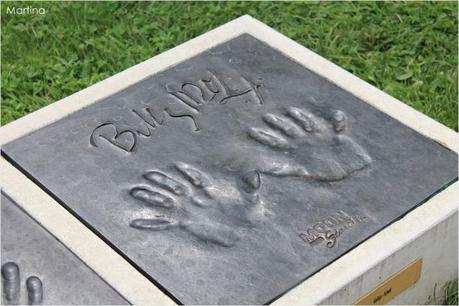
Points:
[(308, 146)]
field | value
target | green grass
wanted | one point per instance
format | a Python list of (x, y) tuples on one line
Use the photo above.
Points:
[(408, 50), (448, 295), (451, 293)]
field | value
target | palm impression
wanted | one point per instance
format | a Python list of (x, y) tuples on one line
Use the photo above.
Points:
[(211, 210), (308, 146)]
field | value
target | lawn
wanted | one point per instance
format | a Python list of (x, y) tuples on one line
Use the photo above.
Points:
[(409, 50), (447, 295), (406, 49)]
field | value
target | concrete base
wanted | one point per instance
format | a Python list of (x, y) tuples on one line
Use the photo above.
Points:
[(438, 248)]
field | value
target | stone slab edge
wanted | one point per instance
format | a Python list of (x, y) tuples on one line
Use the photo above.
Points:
[(438, 248), (134, 286)]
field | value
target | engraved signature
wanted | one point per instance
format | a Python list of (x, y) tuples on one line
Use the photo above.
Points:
[(192, 95), (330, 228), (205, 90)]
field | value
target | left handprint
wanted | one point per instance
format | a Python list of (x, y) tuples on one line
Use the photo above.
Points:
[(211, 210), (12, 284)]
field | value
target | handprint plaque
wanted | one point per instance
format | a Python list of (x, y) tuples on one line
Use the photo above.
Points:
[(232, 176)]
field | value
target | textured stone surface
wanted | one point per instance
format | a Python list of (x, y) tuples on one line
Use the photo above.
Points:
[(38, 257), (235, 175)]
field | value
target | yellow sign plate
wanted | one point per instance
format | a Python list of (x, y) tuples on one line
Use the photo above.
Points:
[(393, 286)]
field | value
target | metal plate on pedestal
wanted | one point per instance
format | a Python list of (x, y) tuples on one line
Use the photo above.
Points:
[(38, 269), (234, 175)]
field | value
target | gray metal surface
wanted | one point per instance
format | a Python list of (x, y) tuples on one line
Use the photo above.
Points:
[(234, 175), (38, 269)]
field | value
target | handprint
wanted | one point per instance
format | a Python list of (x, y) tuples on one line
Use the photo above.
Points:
[(12, 286), (308, 146), (209, 209)]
